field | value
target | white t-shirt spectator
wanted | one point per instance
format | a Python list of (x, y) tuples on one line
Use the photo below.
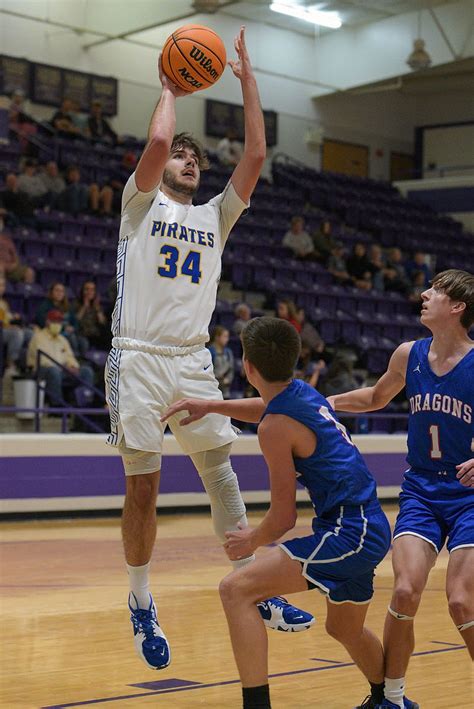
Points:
[(301, 243)]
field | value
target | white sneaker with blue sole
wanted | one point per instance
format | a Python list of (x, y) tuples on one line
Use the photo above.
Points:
[(150, 641), (278, 614)]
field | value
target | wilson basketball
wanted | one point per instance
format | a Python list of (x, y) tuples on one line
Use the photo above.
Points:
[(193, 57)]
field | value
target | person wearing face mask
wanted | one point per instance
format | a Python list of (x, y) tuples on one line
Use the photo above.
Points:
[(50, 341)]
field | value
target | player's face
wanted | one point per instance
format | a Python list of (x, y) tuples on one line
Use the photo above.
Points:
[(436, 308), (182, 171)]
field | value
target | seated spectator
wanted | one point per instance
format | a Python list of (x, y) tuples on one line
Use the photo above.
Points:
[(56, 299), (93, 326), (229, 150), (323, 242), (11, 334), (10, 265), (78, 119), (53, 182), (98, 128), (19, 208), (310, 337), (358, 267), (395, 275), (49, 340), (286, 310), (79, 197), (298, 240), (62, 120), (31, 184), (339, 377), (337, 265), (307, 368), (417, 264), (377, 266), (222, 359), (243, 314), (418, 287)]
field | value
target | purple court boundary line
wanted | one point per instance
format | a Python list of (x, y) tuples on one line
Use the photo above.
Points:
[(230, 681)]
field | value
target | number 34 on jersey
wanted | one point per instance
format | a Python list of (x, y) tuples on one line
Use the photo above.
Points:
[(175, 264)]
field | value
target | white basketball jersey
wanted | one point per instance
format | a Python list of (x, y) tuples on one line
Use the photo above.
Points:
[(169, 265)]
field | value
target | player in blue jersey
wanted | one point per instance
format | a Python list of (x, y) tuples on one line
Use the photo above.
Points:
[(437, 499), (302, 440)]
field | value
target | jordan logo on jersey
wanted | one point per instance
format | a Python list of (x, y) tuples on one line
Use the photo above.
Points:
[(441, 403), (417, 368), (183, 233)]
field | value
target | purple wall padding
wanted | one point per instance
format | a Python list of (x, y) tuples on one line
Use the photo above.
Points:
[(91, 476)]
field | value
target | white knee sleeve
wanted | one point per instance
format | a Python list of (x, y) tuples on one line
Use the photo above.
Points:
[(220, 482), (465, 626), (400, 616), (138, 462)]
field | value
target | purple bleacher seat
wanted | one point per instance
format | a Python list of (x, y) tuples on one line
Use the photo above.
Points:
[(236, 346), (98, 357), (63, 252)]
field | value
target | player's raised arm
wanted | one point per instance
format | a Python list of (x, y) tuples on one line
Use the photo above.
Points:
[(160, 135), (379, 395), (248, 410), (245, 176)]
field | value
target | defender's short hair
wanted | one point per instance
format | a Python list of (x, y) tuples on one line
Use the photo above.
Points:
[(186, 140), (459, 286), (273, 346)]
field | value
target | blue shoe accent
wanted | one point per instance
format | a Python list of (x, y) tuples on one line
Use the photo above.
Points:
[(407, 703), (278, 614), (150, 641)]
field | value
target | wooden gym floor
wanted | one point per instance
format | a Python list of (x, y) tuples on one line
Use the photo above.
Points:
[(67, 640)]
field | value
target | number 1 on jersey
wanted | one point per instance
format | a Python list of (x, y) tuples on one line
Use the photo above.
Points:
[(435, 451), (190, 266)]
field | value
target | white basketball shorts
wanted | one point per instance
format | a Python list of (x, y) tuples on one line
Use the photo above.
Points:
[(140, 387)]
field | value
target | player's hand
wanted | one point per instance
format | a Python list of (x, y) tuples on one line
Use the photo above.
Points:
[(197, 408), (242, 68), (465, 473), (239, 543), (168, 84)]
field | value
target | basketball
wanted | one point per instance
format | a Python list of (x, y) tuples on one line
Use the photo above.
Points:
[(193, 57)]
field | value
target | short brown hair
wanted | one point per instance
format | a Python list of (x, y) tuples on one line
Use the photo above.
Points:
[(186, 140), (273, 346), (459, 286)]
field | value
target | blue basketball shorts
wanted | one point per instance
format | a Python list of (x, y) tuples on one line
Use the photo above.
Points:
[(436, 507), (340, 557)]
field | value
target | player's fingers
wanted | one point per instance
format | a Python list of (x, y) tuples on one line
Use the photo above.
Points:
[(188, 419)]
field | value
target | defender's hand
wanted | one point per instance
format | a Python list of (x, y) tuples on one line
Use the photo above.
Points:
[(242, 68), (239, 543), (168, 84), (465, 473), (197, 408)]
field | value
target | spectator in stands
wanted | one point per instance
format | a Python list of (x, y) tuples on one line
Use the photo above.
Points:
[(308, 368), (56, 299), (11, 334), (53, 182), (358, 267), (30, 183), (243, 314), (49, 340), (310, 337), (337, 265), (323, 242), (298, 240), (10, 265), (417, 264), (19, 207), (286, 310), (78, 119), (395, 276), (377, 266), (222, 359), (62, 120), (417, 288), (229, 150), (93, 326), (339, 377), (79, 197), (98, 128)]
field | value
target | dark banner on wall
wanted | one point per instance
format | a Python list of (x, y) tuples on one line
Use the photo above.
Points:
[(47, 84), (221, 116), (14, 75)]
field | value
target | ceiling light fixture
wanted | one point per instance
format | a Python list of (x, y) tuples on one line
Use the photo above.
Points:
[(317, 17)]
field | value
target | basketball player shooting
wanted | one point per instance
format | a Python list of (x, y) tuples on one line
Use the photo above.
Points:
[(168, 269)]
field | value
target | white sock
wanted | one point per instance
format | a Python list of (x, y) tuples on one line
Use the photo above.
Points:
[(395, 690), (139, 584), (238, 563)]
